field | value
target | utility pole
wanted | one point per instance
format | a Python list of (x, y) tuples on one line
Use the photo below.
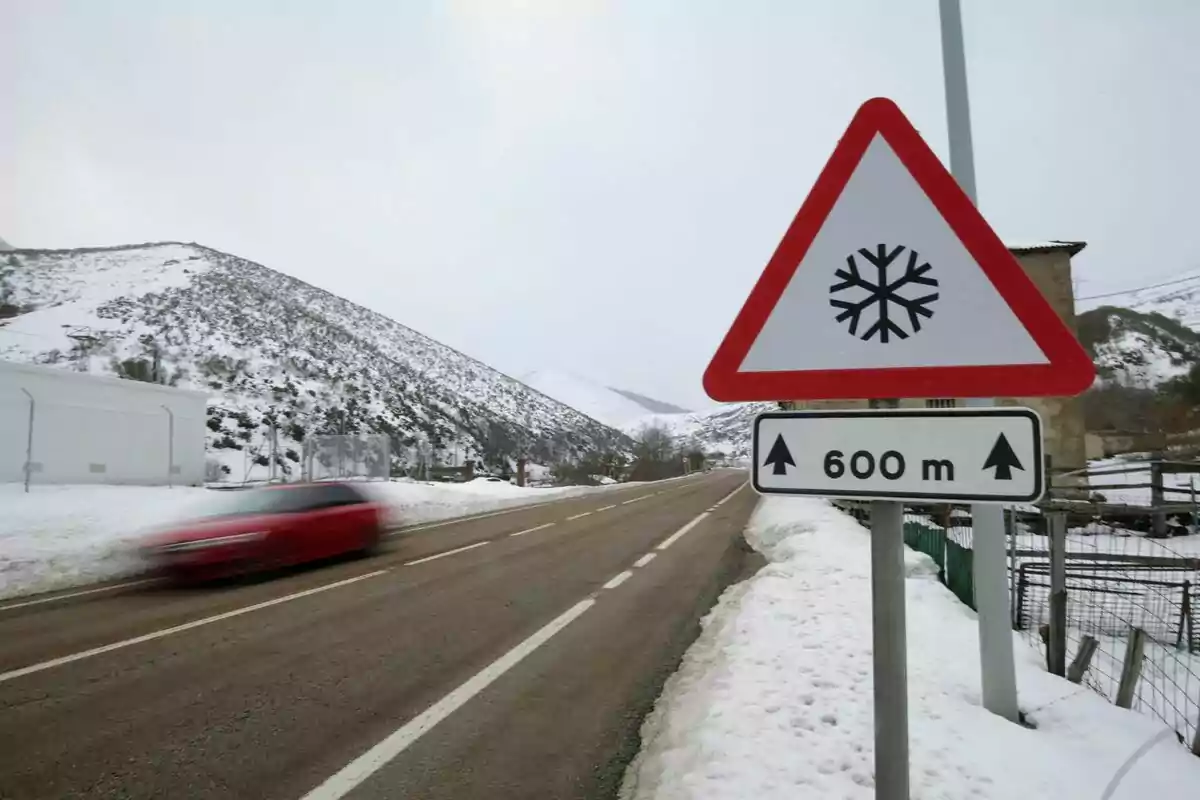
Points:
[(997, 673)]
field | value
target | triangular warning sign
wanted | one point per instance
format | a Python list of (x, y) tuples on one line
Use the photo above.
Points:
[(889, 283)]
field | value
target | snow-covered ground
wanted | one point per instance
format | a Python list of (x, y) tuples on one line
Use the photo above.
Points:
[(61, 536), (774, 699)]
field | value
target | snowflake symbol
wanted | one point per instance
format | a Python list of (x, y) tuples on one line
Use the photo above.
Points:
[(883, 294)]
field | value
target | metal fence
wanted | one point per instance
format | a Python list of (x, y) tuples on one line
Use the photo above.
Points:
[(362, 456), (1129, 603), (69, 439)]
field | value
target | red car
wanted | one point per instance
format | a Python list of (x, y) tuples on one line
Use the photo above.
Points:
[(257, 529)]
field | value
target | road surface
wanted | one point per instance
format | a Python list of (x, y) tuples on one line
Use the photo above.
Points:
[(512, 655)]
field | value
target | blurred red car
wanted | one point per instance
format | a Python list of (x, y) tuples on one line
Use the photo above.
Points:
[(251, 530)]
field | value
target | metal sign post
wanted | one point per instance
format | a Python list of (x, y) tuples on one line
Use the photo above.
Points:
[(890, 650), (989, 566)]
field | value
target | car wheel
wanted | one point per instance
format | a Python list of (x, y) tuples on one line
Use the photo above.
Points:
[(374, 542)]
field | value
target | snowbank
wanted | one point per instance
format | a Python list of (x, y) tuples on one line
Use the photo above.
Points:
[(774, 700), (60, 536)]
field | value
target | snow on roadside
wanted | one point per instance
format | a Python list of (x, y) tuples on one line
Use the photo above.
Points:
[(774, 699), (61, 536)]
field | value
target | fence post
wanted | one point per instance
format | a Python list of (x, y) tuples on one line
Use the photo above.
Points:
[(170, 446), (1131, 669), (29, 438), (1022, 582), (1185, 612), (1010, 530), (1056, 649), (1158, 516), (1083, 658)]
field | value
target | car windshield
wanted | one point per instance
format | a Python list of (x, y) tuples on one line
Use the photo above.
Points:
[(257, 501)]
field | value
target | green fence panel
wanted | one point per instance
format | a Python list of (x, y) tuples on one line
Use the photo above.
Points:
[(958, 573), (930, 541)]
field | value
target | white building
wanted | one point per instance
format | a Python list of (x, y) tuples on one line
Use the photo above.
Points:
[(91, 429)]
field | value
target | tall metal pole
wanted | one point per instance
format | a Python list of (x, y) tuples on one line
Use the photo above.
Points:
[(170, 446), (997, 673), (29, 438)]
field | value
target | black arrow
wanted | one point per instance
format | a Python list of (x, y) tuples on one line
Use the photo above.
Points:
[(779, 456), (1003, 459)]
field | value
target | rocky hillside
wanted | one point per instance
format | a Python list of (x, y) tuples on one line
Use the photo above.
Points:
[(1139, 348), (266, 345)]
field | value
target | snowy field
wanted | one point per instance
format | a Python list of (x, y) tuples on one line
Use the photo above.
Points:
[(774, 700), (61, 536)]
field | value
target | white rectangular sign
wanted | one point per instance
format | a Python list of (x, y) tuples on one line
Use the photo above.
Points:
[(948, 455)]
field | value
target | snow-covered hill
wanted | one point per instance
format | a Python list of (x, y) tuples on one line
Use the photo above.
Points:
[(1139, 347), (724, 429), (614, 407), (263, 342)]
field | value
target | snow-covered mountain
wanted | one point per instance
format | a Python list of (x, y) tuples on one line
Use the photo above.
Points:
[(4, 246), (723, 429), (262, 342), (613, 407), (1145, 337)]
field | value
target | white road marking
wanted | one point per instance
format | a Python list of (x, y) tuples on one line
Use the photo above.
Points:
[(447, 553), (605, 508), (727, 497), (578, 516), (674, 537), (187, 626), (617, 580), (360, 769), (57, 597), (531, 530), (644, 560), (634, 500)]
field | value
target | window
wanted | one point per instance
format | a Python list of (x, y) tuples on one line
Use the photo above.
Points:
[(941, 402)]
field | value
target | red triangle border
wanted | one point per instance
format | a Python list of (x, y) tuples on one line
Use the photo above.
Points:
[(1069, 371)]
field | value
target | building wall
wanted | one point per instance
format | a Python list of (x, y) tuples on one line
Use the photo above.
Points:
[(91, 429), (1062, 417)]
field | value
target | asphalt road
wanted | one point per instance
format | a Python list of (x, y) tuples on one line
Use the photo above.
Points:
[(512, 655)]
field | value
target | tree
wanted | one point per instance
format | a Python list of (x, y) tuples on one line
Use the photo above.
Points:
[(654, 454)]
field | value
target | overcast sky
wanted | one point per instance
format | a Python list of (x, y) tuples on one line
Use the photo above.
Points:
[(575, 184)]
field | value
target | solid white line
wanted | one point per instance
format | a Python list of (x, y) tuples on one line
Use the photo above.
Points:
[(345, 780), (644, 560), (187, 626), (531, 530), (447, 553), (605, 508), (578, 516), (57, 597), (617, 580)]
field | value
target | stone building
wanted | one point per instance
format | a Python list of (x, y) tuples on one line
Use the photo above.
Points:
[(1049, 265)]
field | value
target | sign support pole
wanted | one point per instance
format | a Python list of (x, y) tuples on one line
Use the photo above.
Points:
[(997, 673), (889, 644), (889, 634)]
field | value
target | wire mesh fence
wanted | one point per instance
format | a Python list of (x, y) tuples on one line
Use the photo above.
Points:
[(1120, 586)]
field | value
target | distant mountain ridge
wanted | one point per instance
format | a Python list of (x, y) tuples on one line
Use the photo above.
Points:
[(613, 407)]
